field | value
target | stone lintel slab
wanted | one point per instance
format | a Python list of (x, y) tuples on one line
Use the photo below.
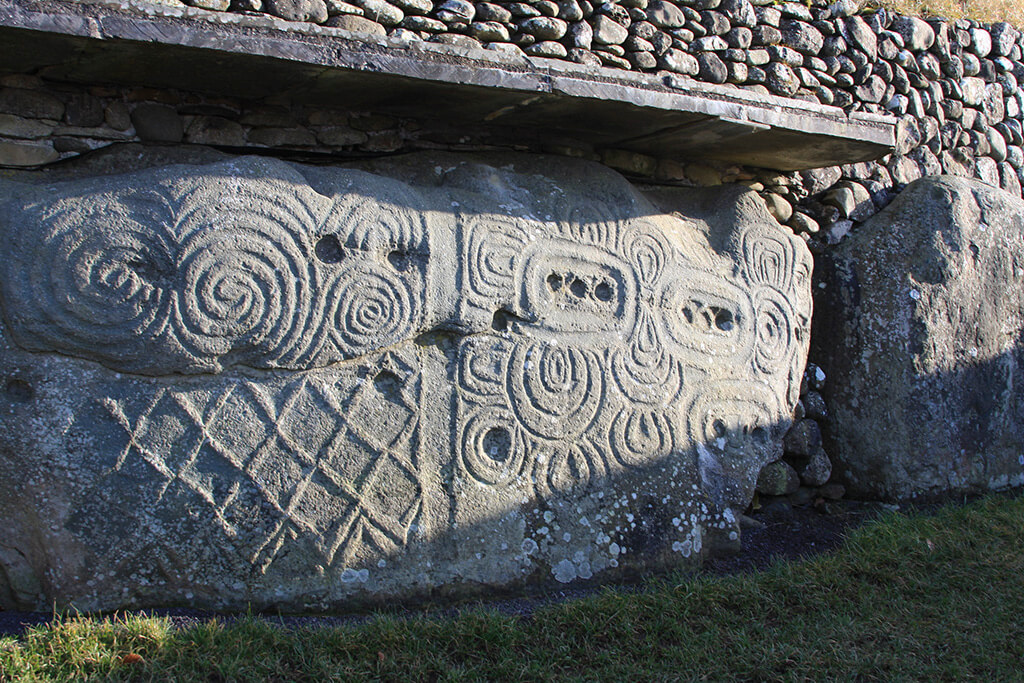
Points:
[(252, 57)]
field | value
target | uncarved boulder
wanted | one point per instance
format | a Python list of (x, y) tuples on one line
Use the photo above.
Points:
[(258, 383), (921, 334)]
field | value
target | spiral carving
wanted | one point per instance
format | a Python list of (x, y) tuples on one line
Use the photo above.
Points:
[(243, 289), (94, 291), (369, 307), (555, 390)]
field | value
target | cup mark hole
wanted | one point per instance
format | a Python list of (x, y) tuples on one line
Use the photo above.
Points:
[(328, 249)]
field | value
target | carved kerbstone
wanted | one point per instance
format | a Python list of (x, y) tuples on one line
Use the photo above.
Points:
[(258, 383)]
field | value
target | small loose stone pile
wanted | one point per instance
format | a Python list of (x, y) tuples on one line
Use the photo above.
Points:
[(803, 474)]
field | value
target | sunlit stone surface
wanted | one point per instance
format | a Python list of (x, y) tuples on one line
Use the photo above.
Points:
[(258, 383)]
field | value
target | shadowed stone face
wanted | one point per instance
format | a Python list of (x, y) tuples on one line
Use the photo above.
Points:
[(255, 382)]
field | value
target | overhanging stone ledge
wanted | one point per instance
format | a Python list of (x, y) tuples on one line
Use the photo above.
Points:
[(244, 56)]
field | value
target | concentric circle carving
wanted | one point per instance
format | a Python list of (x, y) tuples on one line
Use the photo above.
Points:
[(555, 390), (492, 446)]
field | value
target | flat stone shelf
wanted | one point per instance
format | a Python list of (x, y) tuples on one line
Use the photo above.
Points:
[(663, 115)]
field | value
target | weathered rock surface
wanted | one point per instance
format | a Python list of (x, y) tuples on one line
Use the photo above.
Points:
[(257, 383), (921, 337)]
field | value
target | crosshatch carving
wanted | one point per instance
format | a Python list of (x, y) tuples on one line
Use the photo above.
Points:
[(342, 378)]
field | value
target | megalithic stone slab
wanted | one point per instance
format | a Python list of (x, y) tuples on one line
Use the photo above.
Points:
[(253, 383), (921, 339)]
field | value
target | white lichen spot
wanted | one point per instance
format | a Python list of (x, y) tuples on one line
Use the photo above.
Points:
[(543, 531), (566, 537), (564, 571), (529, 546), (915, 295), (614, 549), (583, 570), (548, 516), (349, 575), (382, 563), (580, 556), (733, 535)]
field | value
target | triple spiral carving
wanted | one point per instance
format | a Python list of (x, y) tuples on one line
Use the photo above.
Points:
[(189, 278)]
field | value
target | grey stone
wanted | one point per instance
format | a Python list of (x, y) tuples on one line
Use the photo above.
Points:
[(860, 34), (26, 154), (765, 35), (711, 68), (1004, 37), (215, 130), (384, 13), (816, 470), (33, 104), (814, 403), (581, 35), (644, 61), (740, 12), (802, 223), (607, 31), (31, 129), (419, 6), (739, 38), (664, 14), (157, 123), (213, 5), (83, 110), (820, 179), (801, 36), (314, 11), (340, 136), (781, 79), (710, 44), (489, 31), (486, 11), (715, 23), (981, 42), (451, 11), (920, 337), (311, 386), (679, 62), (916, 33), (778, 479), (803, 439), (973, 90), (545, 28), (570, 10), (548, 48), (411, 22), (357, 24), (583, 56), (780, 209)]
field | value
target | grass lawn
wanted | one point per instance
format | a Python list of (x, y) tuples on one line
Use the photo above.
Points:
[(922, 598)]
